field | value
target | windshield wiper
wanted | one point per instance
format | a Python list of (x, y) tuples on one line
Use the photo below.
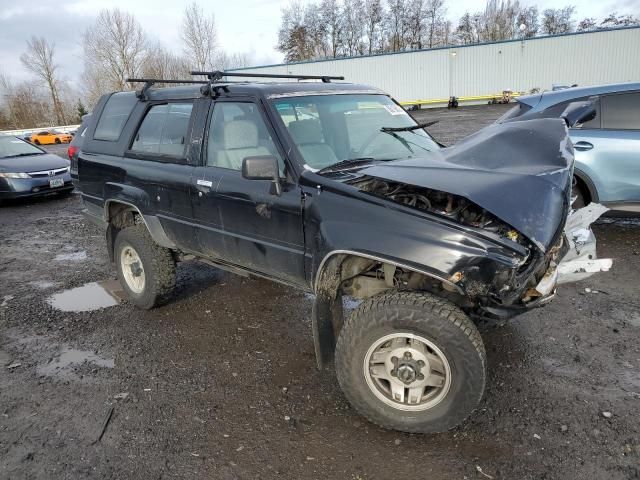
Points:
[(23, 155), (410, 128), (348, 163)]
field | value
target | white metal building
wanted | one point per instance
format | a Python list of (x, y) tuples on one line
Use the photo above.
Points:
[(589, 58)]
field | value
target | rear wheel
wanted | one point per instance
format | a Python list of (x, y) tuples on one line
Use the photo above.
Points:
[(146, 271), (411, 361)]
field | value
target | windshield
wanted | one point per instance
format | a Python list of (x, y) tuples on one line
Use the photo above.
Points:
[(328, 129), (13, 147)]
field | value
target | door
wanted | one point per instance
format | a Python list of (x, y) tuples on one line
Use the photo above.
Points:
[(244, 222), (158, 165), (611, 154)]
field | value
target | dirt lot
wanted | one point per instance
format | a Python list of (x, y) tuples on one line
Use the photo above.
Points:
[(222, 383)]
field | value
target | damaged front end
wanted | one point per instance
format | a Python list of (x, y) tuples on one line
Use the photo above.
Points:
[(522, 205)]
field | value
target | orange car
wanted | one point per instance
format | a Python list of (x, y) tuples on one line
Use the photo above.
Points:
[(48, 137)]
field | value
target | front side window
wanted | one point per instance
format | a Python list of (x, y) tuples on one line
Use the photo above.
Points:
[(237, 131), (328, 129), (621, 111), (164, 130), (114, 115)]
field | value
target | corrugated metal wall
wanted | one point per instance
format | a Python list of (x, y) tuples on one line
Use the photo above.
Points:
[(586, 59)]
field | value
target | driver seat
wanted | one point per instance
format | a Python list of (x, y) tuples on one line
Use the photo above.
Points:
[(308, 137)]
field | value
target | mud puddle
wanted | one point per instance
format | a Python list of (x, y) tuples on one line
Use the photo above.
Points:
[(91, 296), (70, 357)]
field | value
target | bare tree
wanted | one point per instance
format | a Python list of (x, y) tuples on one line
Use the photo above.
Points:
[(557, 20), (416, 18), (435, 24), (467, 31), (353, 27), (396, 23), (614, 20), (200, 37), (528, 17), (500, 19), (373, 13), (161, 63), (38, 59), (294, 37), (587, 24), (331, 15), (226, 61), (114, 50)]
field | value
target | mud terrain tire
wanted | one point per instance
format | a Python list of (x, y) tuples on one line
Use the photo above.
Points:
[(420, 315), (157, 263)]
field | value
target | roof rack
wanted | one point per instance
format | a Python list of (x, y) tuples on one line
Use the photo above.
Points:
[(216, 75), (149, 82)]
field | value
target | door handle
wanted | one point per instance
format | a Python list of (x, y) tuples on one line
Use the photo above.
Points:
[(583, 146)]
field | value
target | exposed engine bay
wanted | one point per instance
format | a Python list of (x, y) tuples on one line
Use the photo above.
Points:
[(451, 206)]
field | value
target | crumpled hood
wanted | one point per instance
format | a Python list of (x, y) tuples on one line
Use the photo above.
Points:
[(32, 163), (521, 172)]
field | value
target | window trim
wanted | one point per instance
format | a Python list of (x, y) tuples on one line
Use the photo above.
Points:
[(613, 94), (161, 157), (204, 151)]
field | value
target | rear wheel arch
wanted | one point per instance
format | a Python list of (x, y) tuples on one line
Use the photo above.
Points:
[(587, 186), (119, 215)]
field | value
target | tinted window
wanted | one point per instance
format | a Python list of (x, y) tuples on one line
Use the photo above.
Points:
[(114, 116), (514, 112), (558, 109), (621, 112), (164, 130), (237, 131)]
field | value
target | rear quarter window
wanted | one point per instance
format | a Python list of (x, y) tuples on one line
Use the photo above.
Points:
[(514, 112), (163, 130), (621, 111), (114, 116)]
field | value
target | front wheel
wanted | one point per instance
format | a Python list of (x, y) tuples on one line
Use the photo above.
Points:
[(411, 361), (146, 271)]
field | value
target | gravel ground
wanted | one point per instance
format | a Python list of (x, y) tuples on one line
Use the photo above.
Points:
[(221, 383)]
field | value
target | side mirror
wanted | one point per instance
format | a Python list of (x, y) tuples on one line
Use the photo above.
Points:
[(262, 167), (578, 112)]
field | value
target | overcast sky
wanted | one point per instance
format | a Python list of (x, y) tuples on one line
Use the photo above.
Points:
[(247, 26)]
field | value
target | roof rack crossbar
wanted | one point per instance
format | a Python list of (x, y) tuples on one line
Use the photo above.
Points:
[(149, 82), (216, 75)]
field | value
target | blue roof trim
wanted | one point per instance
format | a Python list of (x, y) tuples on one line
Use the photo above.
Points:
[(448, 47)]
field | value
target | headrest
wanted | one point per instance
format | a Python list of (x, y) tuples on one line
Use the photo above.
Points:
[(240, 134), (306, 131)]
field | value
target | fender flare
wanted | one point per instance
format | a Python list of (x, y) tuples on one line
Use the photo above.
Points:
[(155, 228)]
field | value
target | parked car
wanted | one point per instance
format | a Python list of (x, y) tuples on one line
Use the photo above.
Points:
[(607, 148), (333, 188), (76, 145), (49, 137), (28, 171)]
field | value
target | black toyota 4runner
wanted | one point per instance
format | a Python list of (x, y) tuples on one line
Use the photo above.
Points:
[(334, 189)]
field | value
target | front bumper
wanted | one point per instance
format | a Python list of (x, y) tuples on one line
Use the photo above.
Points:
[(575, 260), (12, 188)]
